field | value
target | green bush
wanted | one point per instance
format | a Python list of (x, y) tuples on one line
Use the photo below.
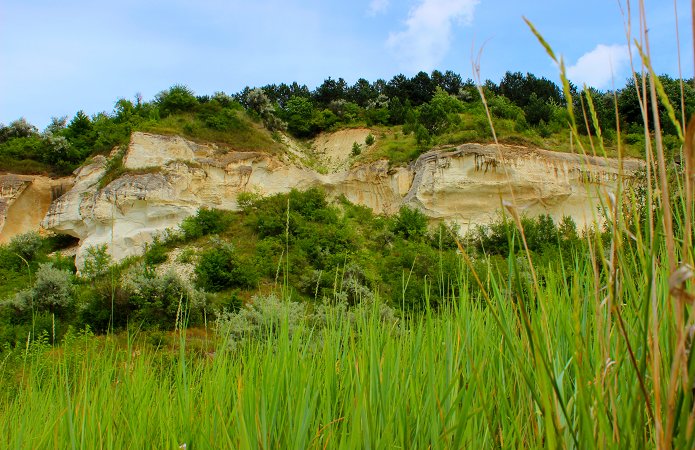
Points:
[(162, 300), (410, 223), (52, 292), (26, 245), (221, 268), (247, 200), (422, 136), (155, 253), (206, 221), (97, 262), (369, 140), (356, 149), (177, 98)]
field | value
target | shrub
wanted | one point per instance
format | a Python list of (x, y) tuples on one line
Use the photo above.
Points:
[(26, 245), (422, 136), (176, 99), (369, 140), (261, 318), (162, 300), (52, 292), (221, 268), (246, 200), (98, 301), (97, 261), (187, 256), (356, 149), (206, 221), (155, 253), (53, 288), (410, 223)]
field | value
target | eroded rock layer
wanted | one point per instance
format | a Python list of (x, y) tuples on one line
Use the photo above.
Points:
[(25, 200), (169, 178)]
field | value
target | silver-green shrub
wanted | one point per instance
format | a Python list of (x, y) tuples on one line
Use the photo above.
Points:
[(52, 291)]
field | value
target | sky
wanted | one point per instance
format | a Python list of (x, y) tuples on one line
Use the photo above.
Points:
[(60, 57)]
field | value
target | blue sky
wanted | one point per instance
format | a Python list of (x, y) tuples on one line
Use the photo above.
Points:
[(59, 57)]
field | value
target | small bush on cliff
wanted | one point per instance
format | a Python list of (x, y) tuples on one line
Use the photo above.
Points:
[(156, 252), (356, 149)]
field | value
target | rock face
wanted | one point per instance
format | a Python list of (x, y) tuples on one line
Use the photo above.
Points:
[(470, 184), (24, 201), (169, 178)]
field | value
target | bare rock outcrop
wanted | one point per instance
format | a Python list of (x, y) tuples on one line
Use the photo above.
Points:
[(469, 184), (24, 201), (169, 178)]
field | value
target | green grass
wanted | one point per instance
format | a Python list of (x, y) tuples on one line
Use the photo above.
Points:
[(23, 166), (241, 134), (401, 149)]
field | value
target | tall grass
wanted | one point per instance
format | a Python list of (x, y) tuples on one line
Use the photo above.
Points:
[(549, 367), (517, 369), (595, 354)]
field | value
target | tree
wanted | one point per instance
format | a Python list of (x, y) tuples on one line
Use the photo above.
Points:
[(259, 103), (630, 112), (398, 111), (80, 125), (17, 129), (437, 115), (362, 93), (537, 110), (422, 88), (519, 88), (178, 98), (57, 125), (449, 81), (298, 114), (330, 90), (398, 88)]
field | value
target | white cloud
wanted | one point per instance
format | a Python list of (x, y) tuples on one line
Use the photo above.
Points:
[(427, 37), (378, 7), (600, 66)]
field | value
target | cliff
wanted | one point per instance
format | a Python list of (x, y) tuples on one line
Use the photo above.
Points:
[(168, 178), (25, 200)]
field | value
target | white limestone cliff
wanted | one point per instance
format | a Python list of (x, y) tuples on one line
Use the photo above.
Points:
[(169, 178)]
